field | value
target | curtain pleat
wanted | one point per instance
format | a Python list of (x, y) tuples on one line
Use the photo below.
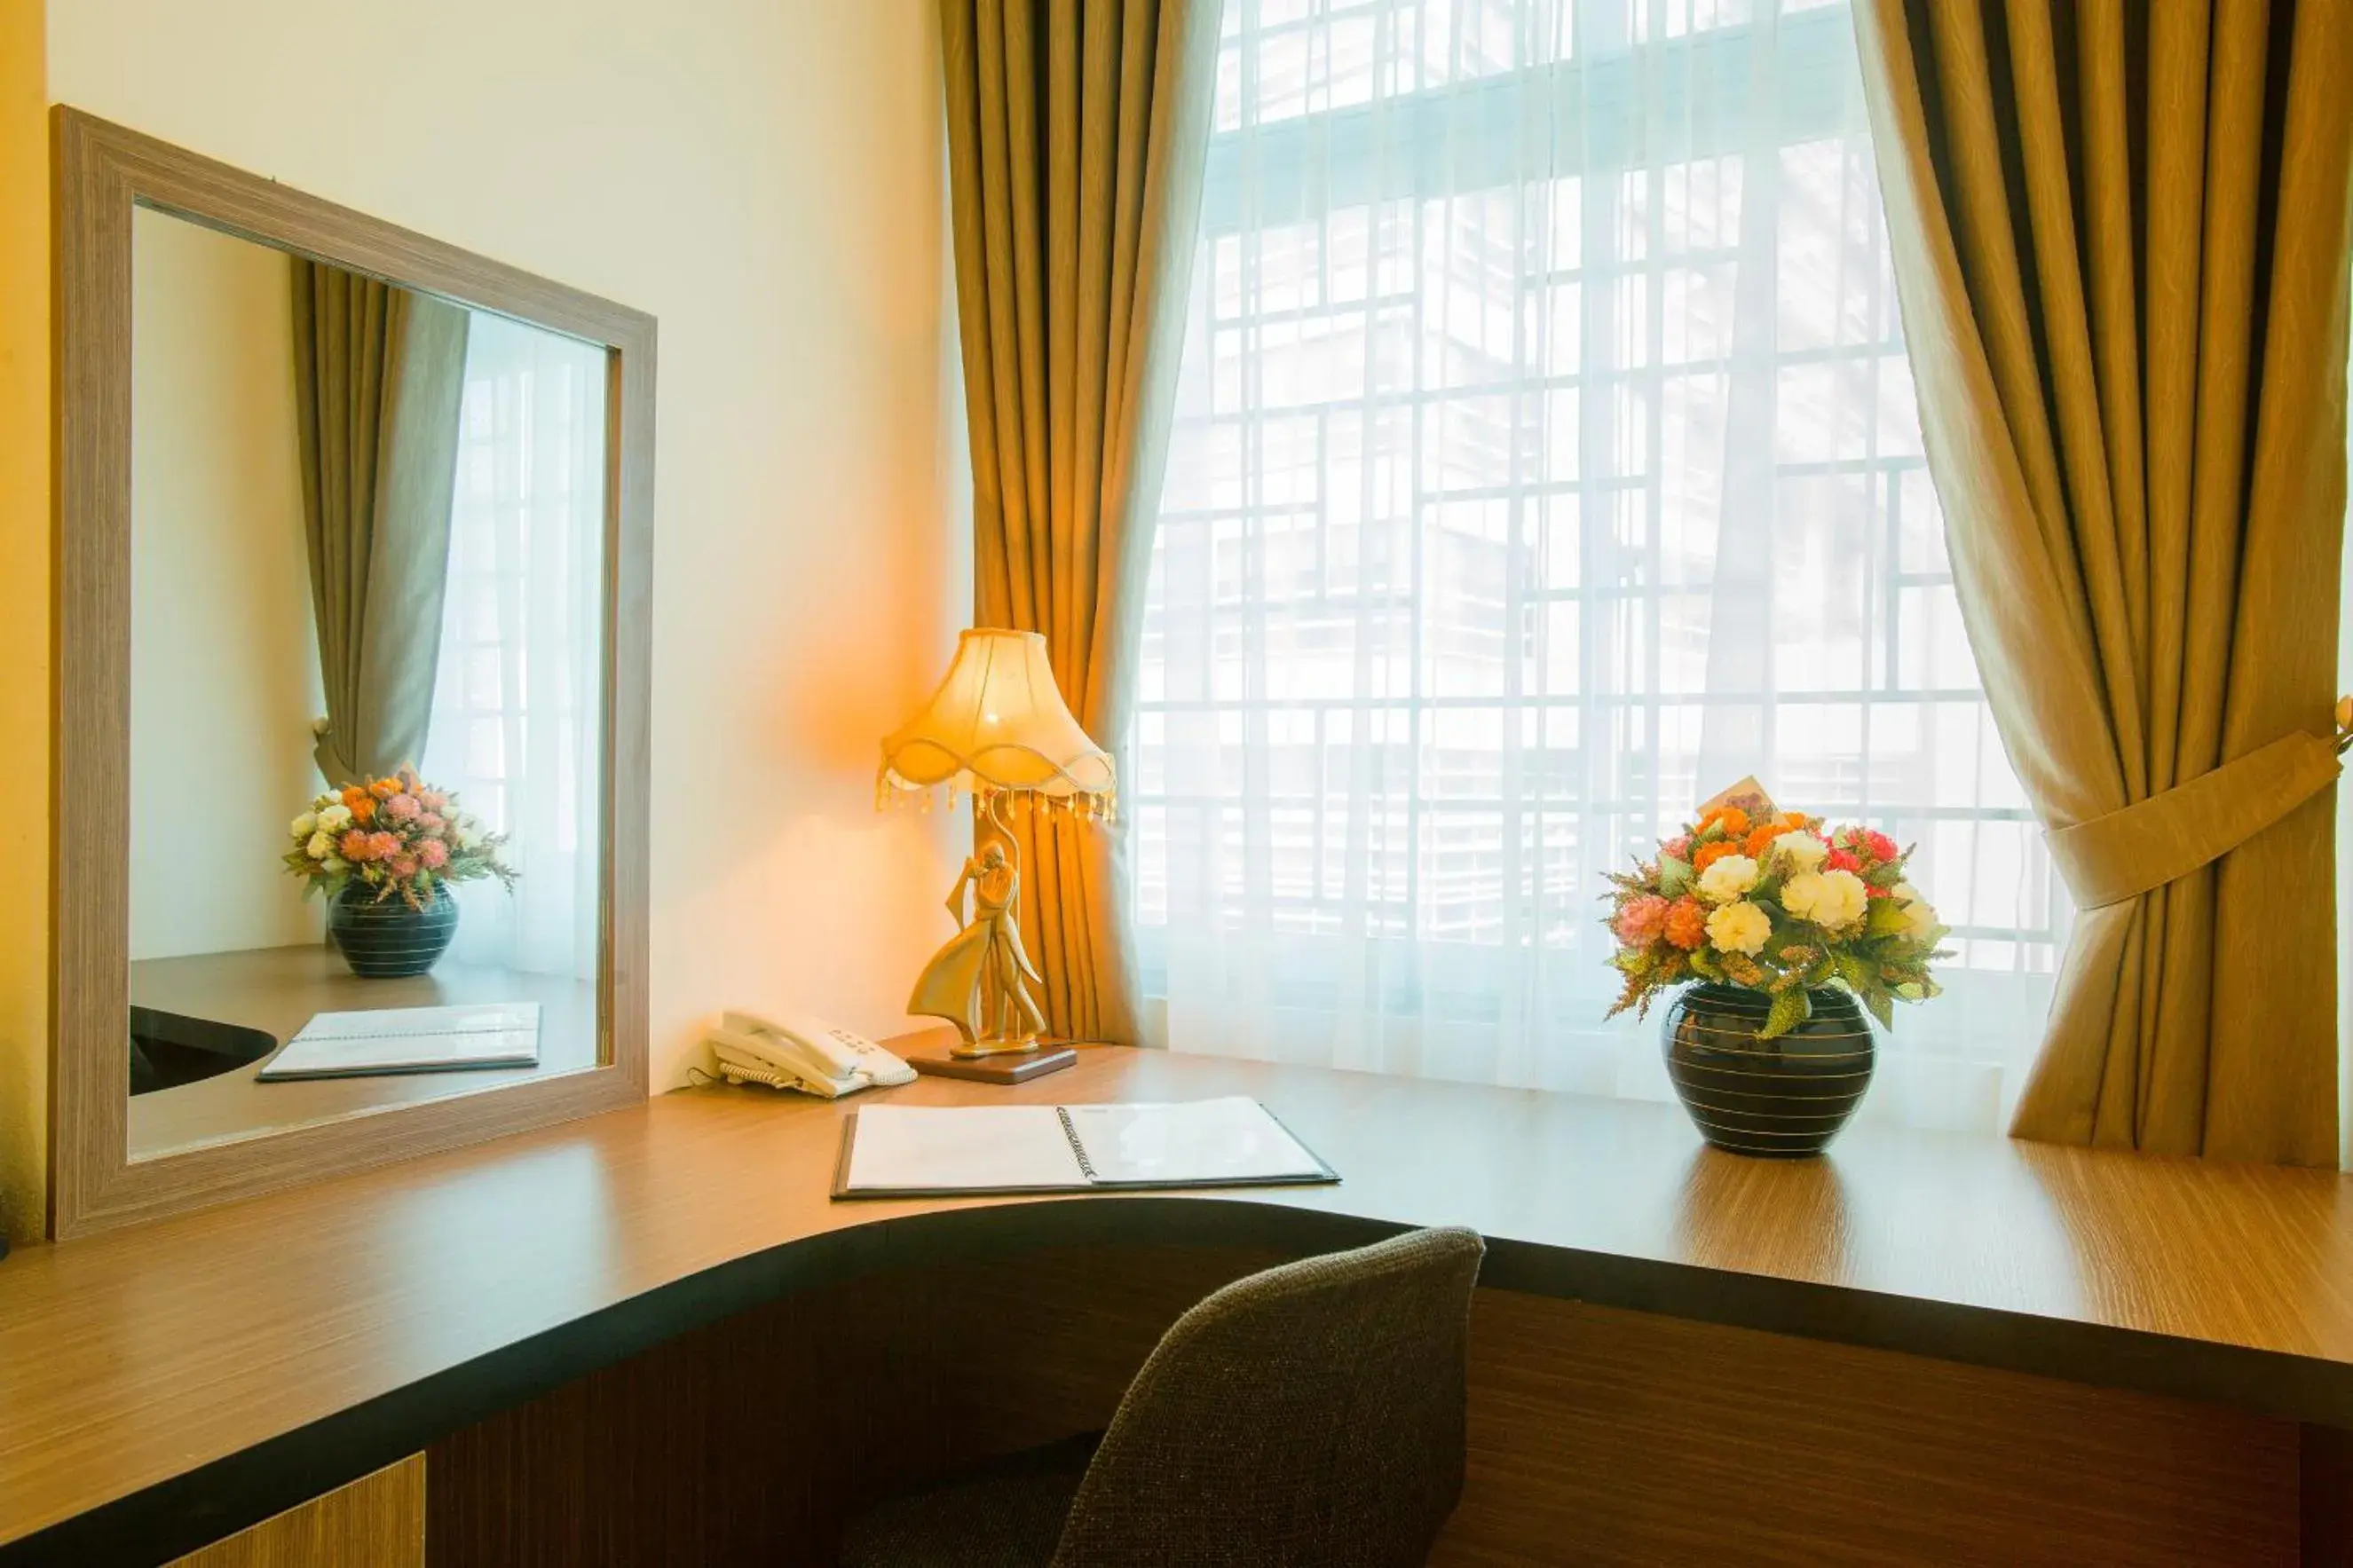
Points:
[(1076, 130), (378, 372), (2120, 239)]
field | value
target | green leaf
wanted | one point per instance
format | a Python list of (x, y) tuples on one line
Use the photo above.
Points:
[(1881, 1008), (1674, 875), (1789, 1009), (1886, 918)]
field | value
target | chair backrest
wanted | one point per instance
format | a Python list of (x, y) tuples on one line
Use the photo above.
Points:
[(1312, 1414)]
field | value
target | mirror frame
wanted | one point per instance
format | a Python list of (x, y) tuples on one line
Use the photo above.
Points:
[(100, 173)]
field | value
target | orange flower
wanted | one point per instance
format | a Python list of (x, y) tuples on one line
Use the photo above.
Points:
[(1731, 818), (1709, 853), (352, 795), (1687, 923), (364, 808), (385, 789), (1760, 839)]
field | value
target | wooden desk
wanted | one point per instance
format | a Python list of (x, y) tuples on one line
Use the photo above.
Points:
[(170, 1382), (277, 990)]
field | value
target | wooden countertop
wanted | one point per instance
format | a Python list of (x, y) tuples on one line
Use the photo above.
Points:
[(277, 989), (198, 1372)]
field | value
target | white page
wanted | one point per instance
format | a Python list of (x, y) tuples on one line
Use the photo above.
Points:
[(375, 1023), (410, 1039), (1225, 1140), (923, 1148)]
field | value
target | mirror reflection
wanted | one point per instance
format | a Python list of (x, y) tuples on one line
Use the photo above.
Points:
[(366, 590)]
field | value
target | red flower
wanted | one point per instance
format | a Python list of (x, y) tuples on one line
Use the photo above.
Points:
[(1869, 843), (1842, 860)]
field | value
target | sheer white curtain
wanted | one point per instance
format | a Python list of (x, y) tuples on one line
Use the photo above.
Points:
[(515, 723), (1546, 460)]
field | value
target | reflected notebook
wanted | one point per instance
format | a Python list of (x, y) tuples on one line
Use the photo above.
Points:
[(386, 1040), (922, 1150)]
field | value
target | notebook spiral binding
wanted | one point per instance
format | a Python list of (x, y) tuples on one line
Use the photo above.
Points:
[(1071, 1131)]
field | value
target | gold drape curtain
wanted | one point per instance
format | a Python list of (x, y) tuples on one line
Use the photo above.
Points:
[(1076, 131), (2119, 234), (378, 374)]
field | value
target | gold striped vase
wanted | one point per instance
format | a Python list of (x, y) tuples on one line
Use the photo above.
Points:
[(1782, 1099), (383, 938)]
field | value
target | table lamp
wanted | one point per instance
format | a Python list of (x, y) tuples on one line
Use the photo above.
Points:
[(998, 729)]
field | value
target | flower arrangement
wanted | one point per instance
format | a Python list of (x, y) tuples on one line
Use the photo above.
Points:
[(397, 835), (1776, 903)]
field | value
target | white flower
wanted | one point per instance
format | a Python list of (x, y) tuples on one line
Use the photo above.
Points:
[(321, 844), (1739, 928), (336, 817), (1800, 850), (1920, 921), (1919, 914), (304, 825), (466, 833), (1727, 878), (1832, 899), (335, 863)]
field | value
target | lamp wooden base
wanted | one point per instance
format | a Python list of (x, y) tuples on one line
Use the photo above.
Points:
[(1008, 1067)]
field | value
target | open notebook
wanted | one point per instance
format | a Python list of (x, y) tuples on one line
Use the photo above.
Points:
[(921, 1151), (386, 1040)]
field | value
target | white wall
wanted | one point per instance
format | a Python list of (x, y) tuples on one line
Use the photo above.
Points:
[(224, 664), (764, 177)]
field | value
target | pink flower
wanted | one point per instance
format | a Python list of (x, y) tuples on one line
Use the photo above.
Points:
[(382, 847), (404, 865), (1676, 848), (1642, 919), (434, 854), (355, 846), (434, 800), (431, 825), (402, 809)]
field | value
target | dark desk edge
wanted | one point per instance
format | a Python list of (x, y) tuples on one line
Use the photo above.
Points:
[(218, 1498)]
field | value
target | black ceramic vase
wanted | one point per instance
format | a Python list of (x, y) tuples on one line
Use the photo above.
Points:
[(1782, 1099), (389, 941)]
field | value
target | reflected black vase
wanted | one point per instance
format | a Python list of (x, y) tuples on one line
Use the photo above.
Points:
[(389, 941), (1782, 1099)]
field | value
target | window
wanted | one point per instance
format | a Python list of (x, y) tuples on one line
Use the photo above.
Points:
[(1545, 459)]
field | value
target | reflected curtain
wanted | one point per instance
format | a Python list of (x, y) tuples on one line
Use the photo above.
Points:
[(2120, 242), (1075, 136), (516, 730), (377, 373)]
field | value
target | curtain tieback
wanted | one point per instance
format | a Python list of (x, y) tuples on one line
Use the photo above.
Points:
[(2152, 842)]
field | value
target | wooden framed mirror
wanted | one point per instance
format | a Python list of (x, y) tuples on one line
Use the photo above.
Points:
[(353, 560)]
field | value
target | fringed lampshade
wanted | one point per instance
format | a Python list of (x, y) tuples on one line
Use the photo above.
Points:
[(997, 726)]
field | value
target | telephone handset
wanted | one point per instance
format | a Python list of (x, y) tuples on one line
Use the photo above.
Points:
[(805, 1052)]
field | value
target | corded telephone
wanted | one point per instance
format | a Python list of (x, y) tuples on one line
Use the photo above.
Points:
[(806, 1054)]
